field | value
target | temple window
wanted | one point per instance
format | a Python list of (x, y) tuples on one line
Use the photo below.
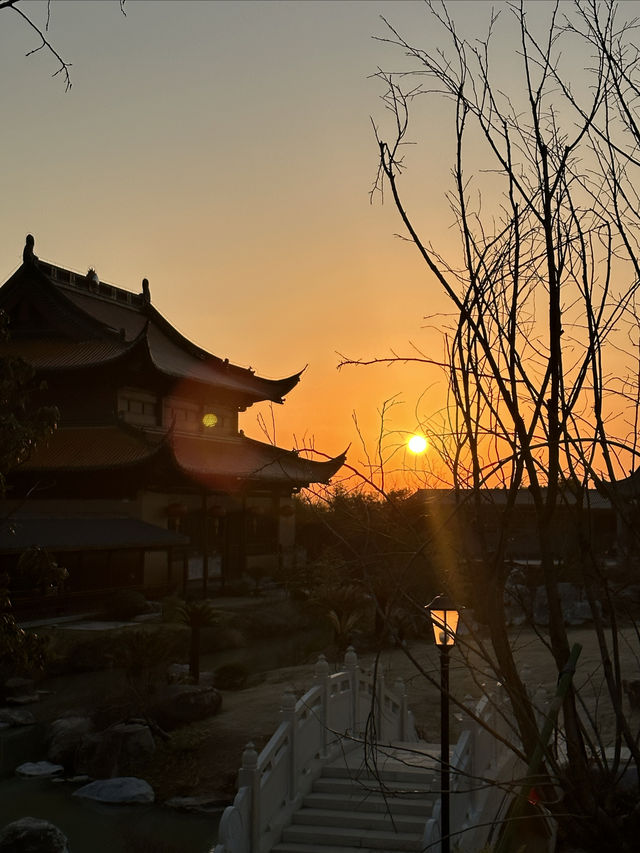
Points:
[(138, 407)]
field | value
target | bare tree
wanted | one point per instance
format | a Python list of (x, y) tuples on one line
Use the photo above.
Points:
[(543, 293), (42, 32)]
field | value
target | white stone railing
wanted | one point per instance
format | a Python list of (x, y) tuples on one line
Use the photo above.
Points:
[(331, 718), (482, 769)]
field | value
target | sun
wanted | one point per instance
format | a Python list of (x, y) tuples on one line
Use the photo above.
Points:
[(417, 444)]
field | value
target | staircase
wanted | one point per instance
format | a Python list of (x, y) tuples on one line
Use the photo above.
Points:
[(381, 808)]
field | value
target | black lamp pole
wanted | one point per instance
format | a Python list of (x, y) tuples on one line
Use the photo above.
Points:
[(444, 741), (444, 617)]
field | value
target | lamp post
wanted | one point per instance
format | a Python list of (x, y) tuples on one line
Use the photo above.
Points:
[(444, 618)]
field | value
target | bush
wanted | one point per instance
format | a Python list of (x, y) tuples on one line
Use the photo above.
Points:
[(85, 651), (124, 604), (89, 653), (276, 620)]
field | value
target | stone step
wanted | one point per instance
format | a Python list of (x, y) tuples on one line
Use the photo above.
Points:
[(372, 820), (386, 773), (378, 840), (347, 786), (368, 801), (301, 847)]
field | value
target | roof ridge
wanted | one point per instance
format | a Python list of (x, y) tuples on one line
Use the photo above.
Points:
[(86, 283)]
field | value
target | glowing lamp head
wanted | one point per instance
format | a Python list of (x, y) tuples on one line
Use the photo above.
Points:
[(444, 618), (209, 420), (417, 444)]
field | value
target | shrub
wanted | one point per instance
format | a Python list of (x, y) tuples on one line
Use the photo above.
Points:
[(124, 604), (276, 620)]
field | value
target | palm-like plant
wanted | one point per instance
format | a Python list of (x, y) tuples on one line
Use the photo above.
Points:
[(196, 615)]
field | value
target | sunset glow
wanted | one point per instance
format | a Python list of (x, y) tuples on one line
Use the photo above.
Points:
[(242, 193), (417, 444)]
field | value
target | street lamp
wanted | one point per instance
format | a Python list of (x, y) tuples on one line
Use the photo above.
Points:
[(444, 617)]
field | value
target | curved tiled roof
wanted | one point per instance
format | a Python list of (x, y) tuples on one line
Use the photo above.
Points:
[(61, 354), (244, 458), (97, 323), (93, 448), (83, 533), (202, 458)]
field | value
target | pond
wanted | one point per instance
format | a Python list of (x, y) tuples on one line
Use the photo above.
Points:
[(104, 828)]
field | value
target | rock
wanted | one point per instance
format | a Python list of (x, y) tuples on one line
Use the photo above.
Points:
[(27, 699), (71, 780), (31, 835), (39, 768), (178, 704), (117, 750), (518, 601), (575, 607), (123, 789), (178, 673), (19, 687), (203, 804), (65, 739), (580, 613), (16, 717)]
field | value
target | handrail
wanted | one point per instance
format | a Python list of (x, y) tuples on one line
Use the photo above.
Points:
[(330, 718)]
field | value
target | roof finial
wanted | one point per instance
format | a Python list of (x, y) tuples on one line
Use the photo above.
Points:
[(28, 256), (146, 293)]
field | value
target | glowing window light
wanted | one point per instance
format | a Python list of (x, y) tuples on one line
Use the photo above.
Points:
[(209, 420)]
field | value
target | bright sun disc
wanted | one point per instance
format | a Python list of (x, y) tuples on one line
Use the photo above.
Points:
[(417, 444)]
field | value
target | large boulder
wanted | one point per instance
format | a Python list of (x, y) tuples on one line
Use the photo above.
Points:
[(575, 608), (178, 704), (178, 673), (43, 769), (16, 717), (116, 751), (17, 686), (65, 739), (124, 789), (31, 835), (518, 603)]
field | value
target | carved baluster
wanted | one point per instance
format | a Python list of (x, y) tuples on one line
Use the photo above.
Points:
[(380, 716), (249, 777), (401, 693), (288, 712), (351, 665), (321, 673)]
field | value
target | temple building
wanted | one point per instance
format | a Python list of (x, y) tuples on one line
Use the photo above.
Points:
[(148, 480)]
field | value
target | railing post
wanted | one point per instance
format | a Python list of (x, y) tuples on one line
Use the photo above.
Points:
[(351, 665), (288, 712), (379, 708), (321, 674), (401, 693), (248, 777)]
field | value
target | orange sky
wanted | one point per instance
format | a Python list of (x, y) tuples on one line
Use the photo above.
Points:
[(224, 150)]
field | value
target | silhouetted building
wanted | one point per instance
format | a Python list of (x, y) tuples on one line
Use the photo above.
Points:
[(462, 527), (147, 478)]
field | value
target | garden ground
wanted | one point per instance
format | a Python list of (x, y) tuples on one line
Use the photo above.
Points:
[(203, 757)]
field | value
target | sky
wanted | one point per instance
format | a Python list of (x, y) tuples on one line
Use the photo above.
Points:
[(225, 151)]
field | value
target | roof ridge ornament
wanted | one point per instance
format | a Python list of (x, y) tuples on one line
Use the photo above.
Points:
[(92, 278), (28, 256), (146, 292)]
